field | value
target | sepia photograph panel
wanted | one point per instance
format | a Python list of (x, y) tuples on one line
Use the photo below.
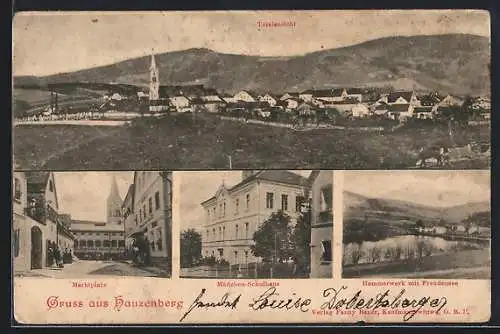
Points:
[(92, 224), (222, 90), (417, 224), (256, 224)]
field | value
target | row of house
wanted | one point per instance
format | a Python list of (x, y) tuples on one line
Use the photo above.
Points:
[(234, 214), (356, 102), (470, 229)]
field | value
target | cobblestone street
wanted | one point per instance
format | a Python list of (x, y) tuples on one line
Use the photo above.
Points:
[(82, 269)]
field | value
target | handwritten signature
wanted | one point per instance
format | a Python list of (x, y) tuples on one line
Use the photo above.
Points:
[(224, 302), (382, 300)]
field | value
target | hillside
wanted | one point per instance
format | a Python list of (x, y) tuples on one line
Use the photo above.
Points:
[(357, 205), (455, 63)]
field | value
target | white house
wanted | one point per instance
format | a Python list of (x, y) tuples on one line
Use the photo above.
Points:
[(245, 96), (424, 112), (180, 103), (440, 230), (360, 110), (292, 104), (401, 97), (270, 99), (400, 111), (116, 97)]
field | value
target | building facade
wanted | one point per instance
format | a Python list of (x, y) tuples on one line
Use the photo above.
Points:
[(102, 240), (36, 221), (321, 223), (153, 213), (98, 240), (233, 214)]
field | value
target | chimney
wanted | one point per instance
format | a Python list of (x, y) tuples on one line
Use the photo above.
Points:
[(248, 173)]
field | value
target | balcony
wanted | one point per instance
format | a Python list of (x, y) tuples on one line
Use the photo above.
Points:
[(37, 213)]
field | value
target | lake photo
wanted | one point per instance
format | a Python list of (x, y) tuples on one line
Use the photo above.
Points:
[(417, 224)]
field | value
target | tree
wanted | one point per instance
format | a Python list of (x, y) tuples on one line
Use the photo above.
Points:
[(419, 224), (273, 239), (190, 247), (302, 240)]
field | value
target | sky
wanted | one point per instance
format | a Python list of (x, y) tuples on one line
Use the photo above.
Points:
[(433, 188), (83, 195), (49, 43), (196, 187)]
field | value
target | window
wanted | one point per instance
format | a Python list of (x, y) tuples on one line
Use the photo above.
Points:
[(121, 243), (16, 243), (106, 243), (220, 233), (75, 244), (213, 233), (284, 202), (326, 198), (208, 233), (90, 243), (154, 224), (208, 214), (17, 190), (98, 243), (246, 230), (150, 205), (144, 210), (269, 200), (214, 214), (220, 210), (248, 201), (236, 232), (237, 205), (223, 232), (235, 256), (299, 200), (157, 200), (246, 257), (51, 186), (114, 243)]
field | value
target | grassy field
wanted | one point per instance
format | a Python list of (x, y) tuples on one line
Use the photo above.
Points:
[(183, 142), (439, 266)]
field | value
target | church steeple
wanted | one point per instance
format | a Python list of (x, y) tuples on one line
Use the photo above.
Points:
[(114, 203), (154, 83)]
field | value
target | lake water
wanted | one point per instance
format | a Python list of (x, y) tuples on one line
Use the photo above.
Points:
[(402, 247)]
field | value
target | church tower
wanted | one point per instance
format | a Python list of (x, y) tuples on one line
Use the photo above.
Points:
[(114, 204), (154, 80)]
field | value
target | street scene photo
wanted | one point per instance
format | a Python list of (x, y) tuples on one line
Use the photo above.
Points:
[(89, 224), (222, 90), (256, 224), (417, 224)]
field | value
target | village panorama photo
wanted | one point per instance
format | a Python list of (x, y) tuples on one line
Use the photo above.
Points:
[(92, 224), (417, 224), (371, 89), (256, 224)]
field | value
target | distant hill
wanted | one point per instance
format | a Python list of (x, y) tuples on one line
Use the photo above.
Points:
[(357, 205), (455, 63)]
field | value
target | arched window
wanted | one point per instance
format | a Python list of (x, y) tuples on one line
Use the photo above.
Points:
[(236, 232), (98, 243)]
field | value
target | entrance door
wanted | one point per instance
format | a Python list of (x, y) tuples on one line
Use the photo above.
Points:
[(36, 248)]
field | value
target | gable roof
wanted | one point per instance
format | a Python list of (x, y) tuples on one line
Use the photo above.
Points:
[(423, 109), (392, 97)]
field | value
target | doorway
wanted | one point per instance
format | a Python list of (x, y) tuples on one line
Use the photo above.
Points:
[(36, 248)]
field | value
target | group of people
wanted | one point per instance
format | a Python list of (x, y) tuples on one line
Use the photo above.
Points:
[(56, 257)]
